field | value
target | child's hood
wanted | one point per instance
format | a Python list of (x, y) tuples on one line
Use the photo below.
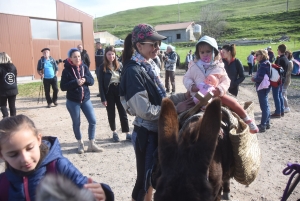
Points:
[(54, 149)]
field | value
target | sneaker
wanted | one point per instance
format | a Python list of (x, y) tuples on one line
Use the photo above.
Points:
[(167, 91), (55, 103), (80, 148), (252, 126), (49, 105), (128, 137), (268, 126), (282, 114), (262, 128), (275, 115), (93, 147), (115, 137), (287, 110)]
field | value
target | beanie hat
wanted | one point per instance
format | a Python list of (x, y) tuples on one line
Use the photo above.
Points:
[(142, 32), (71, 51)]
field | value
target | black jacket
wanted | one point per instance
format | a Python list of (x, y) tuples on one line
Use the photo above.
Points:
[(235, 72), (99, 57), (69, 83), (104, 80), (284, 63), (8, 80), (85, 58)]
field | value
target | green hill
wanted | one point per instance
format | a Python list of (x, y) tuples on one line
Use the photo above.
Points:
[(245, 18)]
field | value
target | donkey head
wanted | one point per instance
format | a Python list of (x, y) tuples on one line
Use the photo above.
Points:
[(184, 159)]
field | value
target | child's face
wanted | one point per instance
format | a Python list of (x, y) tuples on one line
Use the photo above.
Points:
[(205, 52), (21, 151)]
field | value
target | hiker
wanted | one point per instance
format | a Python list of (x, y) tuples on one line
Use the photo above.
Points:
[(250, 60), (29, 157), (287, 81), (84, 55), (271, 54), (188, 58), (8, 85), (99, 58), (170, 66)]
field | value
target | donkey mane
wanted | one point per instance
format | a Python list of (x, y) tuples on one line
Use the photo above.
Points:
[(184, 159)]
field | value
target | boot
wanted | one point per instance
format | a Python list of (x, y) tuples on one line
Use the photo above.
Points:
[(93, 147), (80, 147)]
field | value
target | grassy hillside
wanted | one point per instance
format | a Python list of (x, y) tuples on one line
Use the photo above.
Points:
[(246, 18)]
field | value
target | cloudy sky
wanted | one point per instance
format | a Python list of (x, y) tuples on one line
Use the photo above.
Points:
[(100, 8)]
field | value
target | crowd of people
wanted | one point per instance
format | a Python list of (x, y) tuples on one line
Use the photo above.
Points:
[(135, 87)]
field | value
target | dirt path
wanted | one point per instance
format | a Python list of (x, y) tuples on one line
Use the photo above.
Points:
[(116, 165)]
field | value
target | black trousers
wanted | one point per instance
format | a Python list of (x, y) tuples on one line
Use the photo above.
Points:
[(11, 104), (47, 83), (170, 75), (113, 99), (250, 68)]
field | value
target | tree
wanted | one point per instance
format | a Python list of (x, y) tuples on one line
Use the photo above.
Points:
[(212, 21)]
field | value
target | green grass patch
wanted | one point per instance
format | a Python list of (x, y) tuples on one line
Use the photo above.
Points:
[(32, 90)]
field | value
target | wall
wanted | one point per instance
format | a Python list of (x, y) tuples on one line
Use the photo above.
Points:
[(171, 34)]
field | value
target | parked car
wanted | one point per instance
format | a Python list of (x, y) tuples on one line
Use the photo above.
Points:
[(296, 61), (119, 43)]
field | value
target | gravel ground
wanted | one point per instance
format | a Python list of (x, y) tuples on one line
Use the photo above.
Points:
[(116, 165)]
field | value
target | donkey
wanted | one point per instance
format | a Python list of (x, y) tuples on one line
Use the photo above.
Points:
[(195, 164)]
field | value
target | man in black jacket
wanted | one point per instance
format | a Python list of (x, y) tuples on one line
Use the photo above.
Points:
[(84, 55), (99, 58)]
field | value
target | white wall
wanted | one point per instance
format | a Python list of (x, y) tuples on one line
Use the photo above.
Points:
[(32, 8)]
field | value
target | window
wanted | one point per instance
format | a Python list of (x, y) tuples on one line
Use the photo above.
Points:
[(69, 31), (178, 36), (43, 29)]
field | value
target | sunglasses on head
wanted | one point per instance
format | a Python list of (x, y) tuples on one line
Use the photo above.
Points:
[(154, 44)]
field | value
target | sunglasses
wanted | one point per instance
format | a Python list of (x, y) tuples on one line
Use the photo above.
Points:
[(155, 44)]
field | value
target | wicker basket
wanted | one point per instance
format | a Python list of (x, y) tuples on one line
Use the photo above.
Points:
[(246, 149)]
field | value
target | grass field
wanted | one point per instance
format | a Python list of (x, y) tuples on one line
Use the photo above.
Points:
[(246, 19)]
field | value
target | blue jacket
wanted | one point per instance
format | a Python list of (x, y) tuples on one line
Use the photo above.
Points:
[(264, 68), (69, 83), (63, 167), (41, 64)]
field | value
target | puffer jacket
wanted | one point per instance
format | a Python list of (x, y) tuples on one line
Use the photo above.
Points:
[(85, 58), (8, 80), (69, 83), (139, 96), (170, 64), (197, 74), (20, 183), (264, 69)]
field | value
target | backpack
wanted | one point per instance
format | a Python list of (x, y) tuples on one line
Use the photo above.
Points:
[(276, 73), (4, 183)]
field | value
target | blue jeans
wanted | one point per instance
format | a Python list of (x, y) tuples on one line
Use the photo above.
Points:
[(278, 99), (264, 106), (88, 111)]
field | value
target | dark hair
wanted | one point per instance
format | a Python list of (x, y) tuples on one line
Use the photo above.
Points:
[(128, 48), (230, 48), (115, 63), (282, 48), (216, 52), (288, 54), (58, 188)]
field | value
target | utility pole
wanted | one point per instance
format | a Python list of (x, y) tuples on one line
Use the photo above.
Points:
[(287, 6), (178, 12)]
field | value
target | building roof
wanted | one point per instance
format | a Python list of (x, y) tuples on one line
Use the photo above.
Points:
[(165, 27)]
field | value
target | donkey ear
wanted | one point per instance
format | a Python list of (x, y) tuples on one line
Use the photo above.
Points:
[(167, 132), (209, 132)]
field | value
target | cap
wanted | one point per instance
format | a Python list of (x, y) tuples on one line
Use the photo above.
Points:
[(142, 32), (209, 40), (45, 49)]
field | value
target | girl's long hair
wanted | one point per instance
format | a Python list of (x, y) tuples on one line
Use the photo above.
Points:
[(128, 48), (106, 64)]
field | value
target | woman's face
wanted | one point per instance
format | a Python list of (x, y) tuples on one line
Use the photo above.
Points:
[(148, 49), (76, 58), (205, 52), (111, 56), (225, 54), (258, 56)]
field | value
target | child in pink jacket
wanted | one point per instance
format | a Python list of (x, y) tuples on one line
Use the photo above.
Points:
[(207, 63)]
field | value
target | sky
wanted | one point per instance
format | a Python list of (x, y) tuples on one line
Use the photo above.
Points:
[(99, 8)]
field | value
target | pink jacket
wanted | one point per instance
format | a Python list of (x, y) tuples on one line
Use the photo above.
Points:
[(197, 74)]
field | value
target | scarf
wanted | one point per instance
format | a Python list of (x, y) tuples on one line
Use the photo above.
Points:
[(149, 67)]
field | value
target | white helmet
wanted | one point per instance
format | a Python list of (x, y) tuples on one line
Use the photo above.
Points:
[(211, 41)]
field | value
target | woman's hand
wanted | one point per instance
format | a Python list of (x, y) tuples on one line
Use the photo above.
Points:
[(216, 92), (96, 189), (81, 81), (104, 103), (194, 88)]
